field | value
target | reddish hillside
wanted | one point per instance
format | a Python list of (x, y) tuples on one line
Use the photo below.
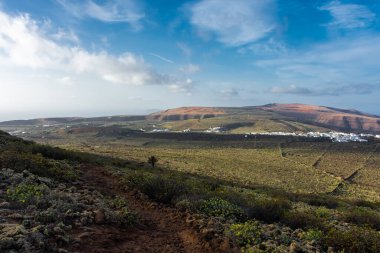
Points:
[(184, 113), (348, 120)]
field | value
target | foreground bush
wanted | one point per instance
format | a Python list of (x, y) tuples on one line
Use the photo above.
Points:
[(159, 188), (269, 210), (217, 207), (354, 239), (37, 164), (299, 219), (26, 192), (363, 217), (245, 234), (313, 235)]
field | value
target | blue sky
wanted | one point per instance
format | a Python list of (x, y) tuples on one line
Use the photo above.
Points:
[(92, 57)]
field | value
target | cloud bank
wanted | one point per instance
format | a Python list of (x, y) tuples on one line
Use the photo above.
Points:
[(25, 44), (234, 23), (349, 16), (127, 11), (354, 89)]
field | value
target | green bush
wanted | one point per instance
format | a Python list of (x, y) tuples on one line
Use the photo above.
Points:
[(313, 235), (217, 207), (269, 210), (322, 212), (26, 193), (118, 202), (355, 239), (321, 200), (299, 219), (37, 164), (364, 203), (128, 217), (363, 217), (159, 188), (245, 234)]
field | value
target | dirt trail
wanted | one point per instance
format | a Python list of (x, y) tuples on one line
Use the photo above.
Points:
[(161, 229)]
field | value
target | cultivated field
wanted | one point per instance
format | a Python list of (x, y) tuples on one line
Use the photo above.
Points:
[(293, 165)]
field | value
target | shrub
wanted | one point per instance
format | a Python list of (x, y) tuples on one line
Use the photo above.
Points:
[(313, 235), (245, 234), (322, 212), (185, 204), (118, 202), (156, 187), (37, 164), (269, 210), (217, 207), (354, 239), (364, 203), (26, 193), (363, 217), (321, 200), (152, 160), (127, 217), (299, 219)]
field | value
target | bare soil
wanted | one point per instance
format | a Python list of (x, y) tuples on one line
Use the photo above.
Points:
[(160, 228)]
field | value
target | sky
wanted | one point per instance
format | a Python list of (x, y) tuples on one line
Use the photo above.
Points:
[(117, 57)]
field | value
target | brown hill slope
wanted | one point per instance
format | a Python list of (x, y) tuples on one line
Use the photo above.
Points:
[(331, 118), (347, 120), (184, 113)]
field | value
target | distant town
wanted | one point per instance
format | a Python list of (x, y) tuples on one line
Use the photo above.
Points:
[(333, 136)]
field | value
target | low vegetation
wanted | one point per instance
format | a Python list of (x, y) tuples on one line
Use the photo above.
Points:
[(266, 196)]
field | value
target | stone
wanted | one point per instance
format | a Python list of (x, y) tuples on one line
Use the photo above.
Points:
[(295, 247), (5, 204), (99, 217), (11, 230), (225, 245)]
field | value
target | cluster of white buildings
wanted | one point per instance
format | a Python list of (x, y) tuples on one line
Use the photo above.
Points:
[(159, 130), (334, 136), (215, 130)]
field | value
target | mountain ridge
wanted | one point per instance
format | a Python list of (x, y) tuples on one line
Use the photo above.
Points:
[(348, 120)]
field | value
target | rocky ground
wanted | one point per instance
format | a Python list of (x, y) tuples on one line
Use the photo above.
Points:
[(40, 215), (97, 214)]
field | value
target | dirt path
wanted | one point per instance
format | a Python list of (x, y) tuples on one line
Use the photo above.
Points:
[(162, 229)]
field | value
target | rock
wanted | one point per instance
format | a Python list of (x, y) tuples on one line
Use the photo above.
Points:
[(207, 233), (190, 220), (58, 230), (5, 204), (37, 238), (225, 245), (11, 230), (330, 250), (295, 247), (16, 216), (99, 217)]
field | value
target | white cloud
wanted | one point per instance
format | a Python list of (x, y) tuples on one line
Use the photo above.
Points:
[(182, 86), (349, 16), (23, 44), (235, 23), (190, 68), (127, 11), (63, 35), (356, 89), (341, 61)]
